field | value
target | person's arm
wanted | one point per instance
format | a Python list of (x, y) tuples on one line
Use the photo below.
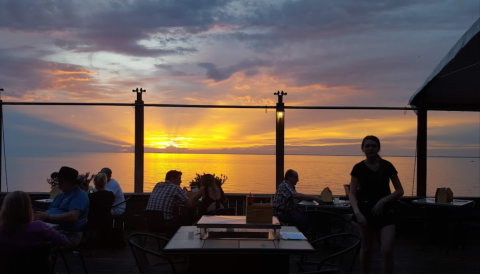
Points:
[(190, 203), (352, 196), (194, 200), (51, 235), (67, 217), (377, 209), (300, 196)]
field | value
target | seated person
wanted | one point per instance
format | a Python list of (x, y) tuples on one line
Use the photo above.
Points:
[(212, 194), (100, 202), (286, 201), (17, 228), (167, 194), (69, 209), (114, 187)]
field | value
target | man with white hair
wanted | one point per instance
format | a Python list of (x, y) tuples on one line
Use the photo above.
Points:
[(114, 186)]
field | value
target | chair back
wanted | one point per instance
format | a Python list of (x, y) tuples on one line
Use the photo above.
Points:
[(33, 259), (144, 247), (336, 252), (118, 205), (156, 222), (323, 223), (100, 217)]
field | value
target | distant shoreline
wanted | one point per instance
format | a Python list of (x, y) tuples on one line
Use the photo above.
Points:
[(329, 155)]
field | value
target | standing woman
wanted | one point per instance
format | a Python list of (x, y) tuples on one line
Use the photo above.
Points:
[(372, 203)]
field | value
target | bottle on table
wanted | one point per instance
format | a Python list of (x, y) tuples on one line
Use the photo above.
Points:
[(250, 199)]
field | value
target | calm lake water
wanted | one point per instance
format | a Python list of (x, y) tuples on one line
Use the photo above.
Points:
[(246, 173)]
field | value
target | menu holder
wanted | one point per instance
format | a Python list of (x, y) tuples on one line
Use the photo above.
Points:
[(259, 213), (327, 196), (54, 192), (443, 195)]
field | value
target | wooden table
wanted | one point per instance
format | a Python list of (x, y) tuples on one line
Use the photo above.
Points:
[(340, 207), (236, 255), (232, 222), (456, 203)]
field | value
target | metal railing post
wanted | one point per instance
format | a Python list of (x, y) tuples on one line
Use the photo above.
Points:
[(139, 141), (280, 138)]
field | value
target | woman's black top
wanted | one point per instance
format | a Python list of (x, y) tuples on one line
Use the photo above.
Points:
[(207, 200), (373, 186)]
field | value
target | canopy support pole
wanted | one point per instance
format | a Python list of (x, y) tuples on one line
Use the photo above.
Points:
[(422, 153)]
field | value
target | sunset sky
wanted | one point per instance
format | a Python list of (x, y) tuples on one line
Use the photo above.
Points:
[(322, 53)]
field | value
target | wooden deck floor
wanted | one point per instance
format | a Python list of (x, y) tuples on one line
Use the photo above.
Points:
[(409, 258)]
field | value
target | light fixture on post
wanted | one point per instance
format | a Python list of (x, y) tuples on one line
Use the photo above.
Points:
[(280, 138)]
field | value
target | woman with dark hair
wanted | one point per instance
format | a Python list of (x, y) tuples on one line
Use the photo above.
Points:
[(372, 203), (211, 193), (17, 228)]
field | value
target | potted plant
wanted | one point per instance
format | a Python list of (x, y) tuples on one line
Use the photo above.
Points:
[(83, 181), (197, 181)]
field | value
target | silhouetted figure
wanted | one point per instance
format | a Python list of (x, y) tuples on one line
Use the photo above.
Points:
[(372, 203), (99, 216), (114, 186), (166, 195), (286, 202), (69, 209), (212, 194)]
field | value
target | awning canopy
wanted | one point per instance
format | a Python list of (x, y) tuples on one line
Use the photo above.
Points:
[(454, 85)]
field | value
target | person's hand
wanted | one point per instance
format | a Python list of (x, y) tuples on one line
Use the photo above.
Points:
[(378, 208), (42, 216), (361, 220)]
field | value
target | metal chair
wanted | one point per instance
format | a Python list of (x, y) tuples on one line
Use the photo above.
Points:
[(67, 249), (335, 253), (323, 223), (158, 224), (62, 251), (100, 225), (150, 260), (119, 221)]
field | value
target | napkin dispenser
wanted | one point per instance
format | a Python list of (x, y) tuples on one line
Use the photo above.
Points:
[(54, 192), (443, 195), (259, 213), (326, 195)]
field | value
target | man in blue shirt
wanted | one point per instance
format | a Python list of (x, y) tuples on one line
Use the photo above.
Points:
[(69, 209)]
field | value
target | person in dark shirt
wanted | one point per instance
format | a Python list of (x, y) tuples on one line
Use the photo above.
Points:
[(99, 213), (372, 203), (213, 197)]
